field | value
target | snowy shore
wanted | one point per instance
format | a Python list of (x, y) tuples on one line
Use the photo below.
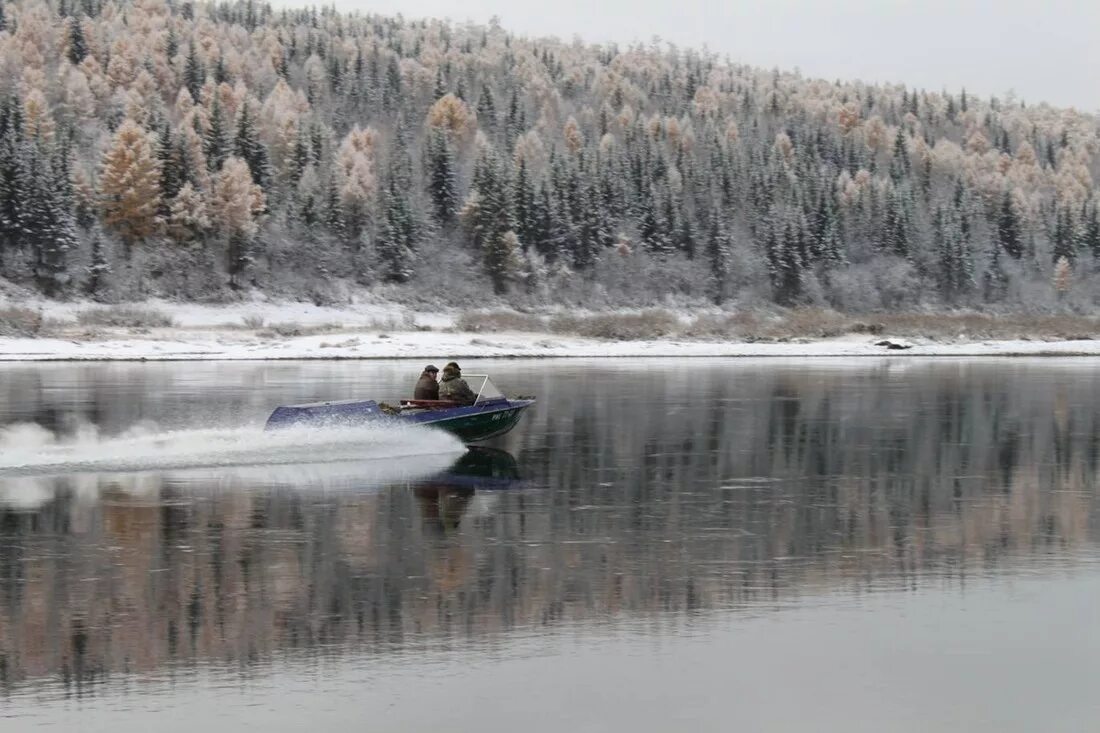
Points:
[(384, 332)]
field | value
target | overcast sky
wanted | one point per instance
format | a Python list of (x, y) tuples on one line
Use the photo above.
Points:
[(1045, 50)]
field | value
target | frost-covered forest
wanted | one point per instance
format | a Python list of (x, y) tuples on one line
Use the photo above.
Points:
[(195, 151)]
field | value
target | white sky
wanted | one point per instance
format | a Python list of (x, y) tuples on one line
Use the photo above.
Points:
[(1044, 50)]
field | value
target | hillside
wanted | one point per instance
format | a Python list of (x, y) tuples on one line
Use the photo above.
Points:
[(200, 152)]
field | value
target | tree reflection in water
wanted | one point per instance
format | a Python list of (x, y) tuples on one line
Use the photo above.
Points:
[(657, 493)]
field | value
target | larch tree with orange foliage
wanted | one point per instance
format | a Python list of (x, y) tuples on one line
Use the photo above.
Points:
[(129, 185)]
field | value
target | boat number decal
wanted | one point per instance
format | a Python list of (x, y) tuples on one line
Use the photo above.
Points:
[(499, 415)]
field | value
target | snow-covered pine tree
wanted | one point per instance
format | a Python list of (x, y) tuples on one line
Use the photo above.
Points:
[(193, 73), (98, 272), (1064, 238), (897, 224), (525, 205), (398, 237), (13, 178), (1009, 227), (784, 263), (719, 257), (1091, 237), (217, 143), (77, 45), (171, 177), (248, 147), (590, 232), (50, 222), (442, 186), (653, 229), (490, 221)]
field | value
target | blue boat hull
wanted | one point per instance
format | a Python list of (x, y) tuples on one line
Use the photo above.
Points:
[(472, 423)]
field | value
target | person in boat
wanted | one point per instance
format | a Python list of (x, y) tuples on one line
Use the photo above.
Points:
[(426, 387), (453, 388)]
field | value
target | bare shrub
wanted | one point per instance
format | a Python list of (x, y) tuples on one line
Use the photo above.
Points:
[(721, 325), (405, 322), (21, 322), (253, 321), (499, 320), (292, 329), (124, 316), (816, 323), (978, 326), (648, 324)]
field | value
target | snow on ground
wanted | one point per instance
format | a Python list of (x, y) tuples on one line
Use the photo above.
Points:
[(387, 331), (234, 315), (169, 344)]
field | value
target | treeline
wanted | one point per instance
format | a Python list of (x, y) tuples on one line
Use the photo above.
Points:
[(197, 151)]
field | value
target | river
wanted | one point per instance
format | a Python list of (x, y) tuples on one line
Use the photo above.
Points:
[(788, 545)]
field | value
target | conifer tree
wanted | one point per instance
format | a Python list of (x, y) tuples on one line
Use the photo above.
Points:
[(1092, 231), (188, 220), (784, 263), (171, 43), (489, 220), (235, 203), (391, 92), (653, 229), (1009, 229), (899, 162), (525, 206), (98, 271), (952, 245), (193, 73), (216, 143), (487, 109), (48, 222), (398, 237), (334, 211), (77, 45), (441, 177), (590, 235), (13, 178), (401, 163), (502, 260), (171, 177), (516, 120), (130, 184), (897, 224), (1065, 236), (220, 74), (301, 157), (719, 256), (248, 147)]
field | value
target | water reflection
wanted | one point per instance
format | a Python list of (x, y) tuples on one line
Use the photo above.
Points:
[(657, 493), (445, 498)]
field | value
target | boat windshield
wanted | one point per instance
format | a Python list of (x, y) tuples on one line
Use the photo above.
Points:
[(485, 389)]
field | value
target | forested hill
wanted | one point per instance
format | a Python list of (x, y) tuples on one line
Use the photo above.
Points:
[(203, 151)]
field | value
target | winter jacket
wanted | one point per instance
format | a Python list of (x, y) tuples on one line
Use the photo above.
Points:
[(426, 388), (454, 388)]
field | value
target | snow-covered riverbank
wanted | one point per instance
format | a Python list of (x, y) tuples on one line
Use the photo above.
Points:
[(442, 346), (303, 331)]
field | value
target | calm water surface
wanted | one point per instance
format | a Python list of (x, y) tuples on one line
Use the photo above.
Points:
[(894, 545)]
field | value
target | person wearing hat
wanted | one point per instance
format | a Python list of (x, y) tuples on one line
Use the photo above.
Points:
[(426, 387), (453, 387)]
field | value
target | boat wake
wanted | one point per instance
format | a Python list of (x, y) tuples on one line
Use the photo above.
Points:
[(30, 450)]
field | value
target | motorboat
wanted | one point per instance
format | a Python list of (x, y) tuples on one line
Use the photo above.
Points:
[(491, 413)]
